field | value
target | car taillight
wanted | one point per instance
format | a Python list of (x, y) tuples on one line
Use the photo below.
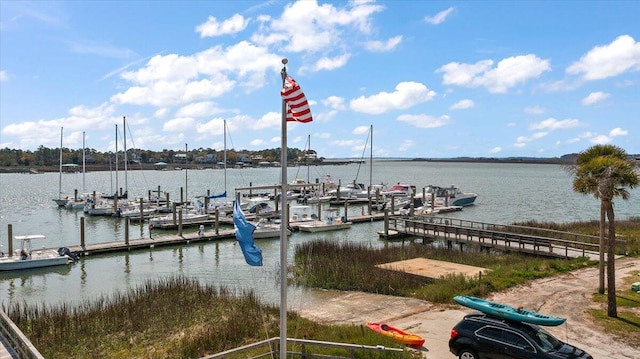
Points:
[(454, 333)]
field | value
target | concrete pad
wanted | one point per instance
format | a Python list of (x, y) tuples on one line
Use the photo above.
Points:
[(432, 268)]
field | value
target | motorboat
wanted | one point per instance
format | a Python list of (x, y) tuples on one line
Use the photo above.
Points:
[(450, 196), (27, 258), (267, 229), (330, 224), (399, 190)]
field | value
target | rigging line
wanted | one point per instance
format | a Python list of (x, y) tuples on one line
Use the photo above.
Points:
[(362, 156)]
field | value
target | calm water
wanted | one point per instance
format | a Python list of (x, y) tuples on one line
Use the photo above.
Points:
[(507, 193)]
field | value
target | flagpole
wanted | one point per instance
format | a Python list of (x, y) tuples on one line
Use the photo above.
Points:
[(284, 223)]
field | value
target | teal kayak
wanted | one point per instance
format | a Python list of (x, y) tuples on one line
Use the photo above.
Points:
[(507, 312)]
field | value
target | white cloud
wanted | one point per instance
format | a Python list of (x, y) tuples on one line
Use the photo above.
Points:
[(462, 104), (305, 26), (405, 145), (178, 124), (105, 50), (508, 73), (425, 121), (198, 109), (600, 139), (594, 97), (334, 102), (495, 150), (610, 60), (256, 142), (379, 46), (439, 17), (327, 63), (407, 94), (232, 25), (521, 141), (618, 132), (3, 76), (360, 130), (161, 112), (553, 124), (534, 110)]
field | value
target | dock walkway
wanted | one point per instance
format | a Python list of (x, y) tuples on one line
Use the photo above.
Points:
[(512, 238)]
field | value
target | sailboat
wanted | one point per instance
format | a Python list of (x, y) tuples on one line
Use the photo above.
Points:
[(220, 201), (60, 201), (79, 202)]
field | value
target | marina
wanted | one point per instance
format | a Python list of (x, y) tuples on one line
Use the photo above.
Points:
[(214, 257)]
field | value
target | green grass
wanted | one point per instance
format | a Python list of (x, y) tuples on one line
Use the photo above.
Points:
[(628, 230), (174, 318), (349, 266)]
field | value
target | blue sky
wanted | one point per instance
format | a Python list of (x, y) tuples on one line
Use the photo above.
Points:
[(434, 79)]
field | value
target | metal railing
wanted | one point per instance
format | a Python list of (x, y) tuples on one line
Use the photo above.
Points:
[(16, 340), (303, 348)]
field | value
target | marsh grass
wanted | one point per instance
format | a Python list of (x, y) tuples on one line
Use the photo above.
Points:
[(168, 318), (627, 229), (352, 266)]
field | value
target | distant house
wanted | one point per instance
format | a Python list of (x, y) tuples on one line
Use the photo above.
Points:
[(180, 158)]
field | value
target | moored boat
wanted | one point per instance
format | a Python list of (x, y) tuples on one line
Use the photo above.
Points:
[(507, 312), (330, 224), (27, 258), (399, 335), (451, 196)]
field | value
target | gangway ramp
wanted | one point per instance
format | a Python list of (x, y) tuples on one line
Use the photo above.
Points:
[(532, 240)]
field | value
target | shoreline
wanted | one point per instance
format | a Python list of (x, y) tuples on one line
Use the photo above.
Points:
[(191, 166)]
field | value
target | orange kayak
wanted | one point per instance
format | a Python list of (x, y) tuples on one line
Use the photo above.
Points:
[(396, 334)]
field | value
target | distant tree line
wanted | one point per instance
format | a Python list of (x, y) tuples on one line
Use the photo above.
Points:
[(45, 156)]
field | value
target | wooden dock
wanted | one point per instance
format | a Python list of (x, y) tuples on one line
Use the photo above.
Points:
[(156, 241), (488, 236)]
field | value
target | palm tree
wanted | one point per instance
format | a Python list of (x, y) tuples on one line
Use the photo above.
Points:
[(604, 171)]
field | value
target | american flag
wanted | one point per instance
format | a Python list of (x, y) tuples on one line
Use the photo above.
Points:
[(297, 105)]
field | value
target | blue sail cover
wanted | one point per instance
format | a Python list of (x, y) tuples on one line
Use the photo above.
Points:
[(221, 195), (244, 235)]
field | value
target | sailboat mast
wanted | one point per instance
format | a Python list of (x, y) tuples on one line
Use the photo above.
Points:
[(124, 132), (60, 164), (371, 159), (225, 158), (306, 156), (115, 197), (186, 170), (83, 164)]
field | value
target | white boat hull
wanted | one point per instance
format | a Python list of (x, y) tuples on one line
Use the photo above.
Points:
[(323, 227), (37, 260)]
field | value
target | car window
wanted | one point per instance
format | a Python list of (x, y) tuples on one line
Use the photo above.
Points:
[(544, 339), (516, 339), (491, 333)]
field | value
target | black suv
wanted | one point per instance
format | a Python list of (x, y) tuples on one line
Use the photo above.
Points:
[(479, 336)]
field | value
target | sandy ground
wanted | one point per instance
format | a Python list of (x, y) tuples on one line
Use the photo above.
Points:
[(568, 295)]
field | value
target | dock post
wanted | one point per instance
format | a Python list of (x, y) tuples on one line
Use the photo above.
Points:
[(10, 235), (206, 203), (182, 194), (319, 210), (180, 224), (82, 232), (175, 208), (275, 196), (141, 212), (75, 195), (346, 207), (126, 230), (393, 204), (167, 195), (386, 222), (217, 224)]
